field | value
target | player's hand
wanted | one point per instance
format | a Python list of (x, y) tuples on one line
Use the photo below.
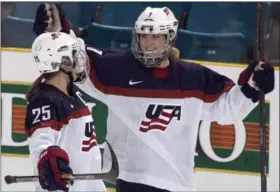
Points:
[(257, 76), (54, 170), (50, 18)]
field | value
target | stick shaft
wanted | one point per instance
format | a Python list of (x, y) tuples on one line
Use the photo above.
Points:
[(18, 179), (260, 53)]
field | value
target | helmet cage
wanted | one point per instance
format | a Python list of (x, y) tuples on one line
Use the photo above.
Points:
[(151, 58)]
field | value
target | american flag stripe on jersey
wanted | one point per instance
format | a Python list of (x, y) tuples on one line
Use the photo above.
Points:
[(91, 142), (160, 122)]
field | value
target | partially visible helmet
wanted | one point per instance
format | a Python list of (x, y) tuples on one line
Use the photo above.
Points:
[(57, 51), (154, 21)]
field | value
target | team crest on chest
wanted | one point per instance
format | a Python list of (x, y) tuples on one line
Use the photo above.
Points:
[(158, 117)]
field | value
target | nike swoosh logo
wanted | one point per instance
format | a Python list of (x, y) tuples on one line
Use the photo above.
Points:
[(134, 82)]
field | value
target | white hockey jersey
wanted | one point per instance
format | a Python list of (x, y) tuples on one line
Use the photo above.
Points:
[(153, 123), (54, 118)]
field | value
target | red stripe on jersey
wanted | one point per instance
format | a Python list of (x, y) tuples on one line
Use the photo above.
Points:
[(52, 123), (75, 115), (87, 148), (87, 142), (154, 93), (156, 120), (58, 125), (157, 123), (152, 127), (165, 114)]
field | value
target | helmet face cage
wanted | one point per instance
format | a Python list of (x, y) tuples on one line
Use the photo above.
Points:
[(78, 68), (81, 66), (150, 58)]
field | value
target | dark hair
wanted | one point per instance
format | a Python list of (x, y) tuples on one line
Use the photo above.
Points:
[(34, 88)]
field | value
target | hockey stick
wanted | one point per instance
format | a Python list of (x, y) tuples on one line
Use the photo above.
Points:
[(259, 56), (112, 174)]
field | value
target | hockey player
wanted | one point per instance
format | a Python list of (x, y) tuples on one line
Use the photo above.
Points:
[(156, 102), (59, 125)]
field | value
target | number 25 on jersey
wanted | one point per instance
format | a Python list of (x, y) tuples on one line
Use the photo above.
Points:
[(41, 114)]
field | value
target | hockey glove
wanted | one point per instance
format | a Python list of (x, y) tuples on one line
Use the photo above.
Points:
[(257, 76), (50, 18), (53, 163)]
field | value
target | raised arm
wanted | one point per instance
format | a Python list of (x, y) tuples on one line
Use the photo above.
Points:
[(235, 102)]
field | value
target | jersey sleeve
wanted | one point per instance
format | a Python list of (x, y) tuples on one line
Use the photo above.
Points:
[(41, 126), (101, 67), (40, 113), (103, 62), (224, 101)]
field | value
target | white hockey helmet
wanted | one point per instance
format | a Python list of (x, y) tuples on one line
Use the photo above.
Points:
[(57, 51), (154, 21)]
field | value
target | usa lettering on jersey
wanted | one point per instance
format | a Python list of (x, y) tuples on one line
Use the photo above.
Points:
[(158, 117)]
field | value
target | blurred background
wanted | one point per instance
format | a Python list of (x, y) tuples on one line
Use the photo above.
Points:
[(218, 32)]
